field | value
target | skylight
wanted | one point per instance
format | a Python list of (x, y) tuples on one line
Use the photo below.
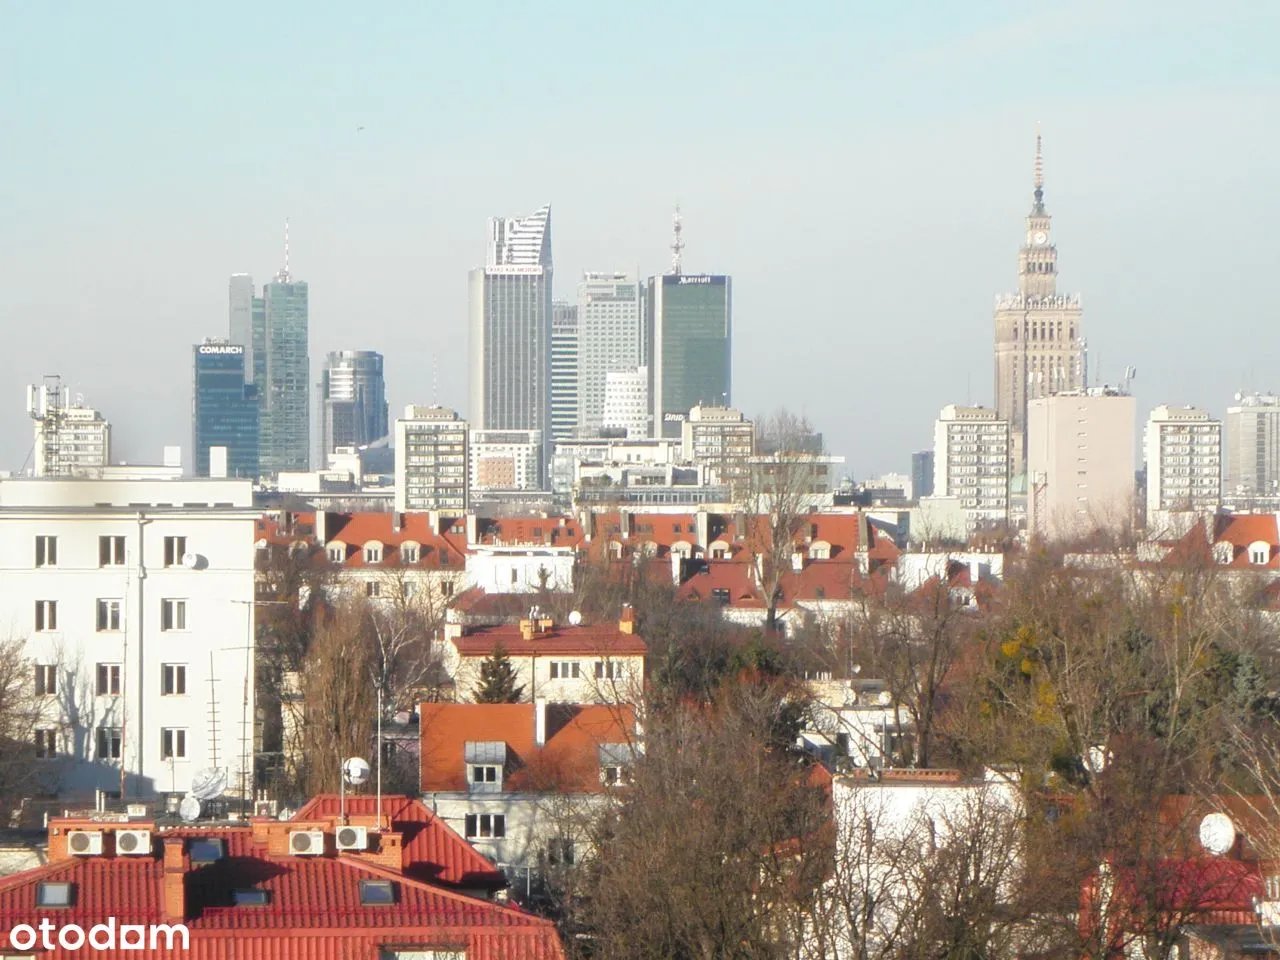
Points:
[(251, 898), (205, 851), (54, 894), (377, 892)]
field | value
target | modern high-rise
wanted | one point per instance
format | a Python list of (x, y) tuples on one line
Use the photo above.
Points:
[(510, 327), (688, 329), (353, 401), (610, 339), (1039, 342), (286, 406), (505, 460), (564, 370), (971, 462), (922, 474), (1253, 446), (224, 409), (240, 329), (1183, 450), (71, 440), (626, 403), (431, 460), (1080, 463)]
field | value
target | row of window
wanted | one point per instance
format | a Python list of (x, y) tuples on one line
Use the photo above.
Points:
[(572, 670), (173, 615), (173, 679), (107, 743), (110, 551)]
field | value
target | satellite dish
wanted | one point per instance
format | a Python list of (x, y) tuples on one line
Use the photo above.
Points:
[(1217, 834), (209, 783), (575, 619), (356, 771), (189, 809), (190, 560)]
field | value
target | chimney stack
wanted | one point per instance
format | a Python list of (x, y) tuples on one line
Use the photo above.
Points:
[(540, 721), (175, 894), (627, 621)]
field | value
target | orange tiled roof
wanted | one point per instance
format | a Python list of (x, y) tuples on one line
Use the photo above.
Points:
[(586, 640)]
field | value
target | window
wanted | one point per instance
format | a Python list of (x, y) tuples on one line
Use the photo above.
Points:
[(108, 743), (173, 679), (336, 552), (565, 670), (46, 679), (612, 775), (484, 773), (250, 898), (108, 615), (204, 851), (46, 615), (372, 588), (515, 577), (173, 614), (409, 553), (377, 893), (610, 670), (54, 894), (46, 551), (175, 548), (486, 826), (560, 851), (373, 553), (173, 743), (111, 551), (108, 680), (446, 588), (46, 744), (720, 595)]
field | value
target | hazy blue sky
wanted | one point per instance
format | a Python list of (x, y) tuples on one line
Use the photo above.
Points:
[(862, 170)]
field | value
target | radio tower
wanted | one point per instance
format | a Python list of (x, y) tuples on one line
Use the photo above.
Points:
[(46, 404), (677, 245), (284, 276)]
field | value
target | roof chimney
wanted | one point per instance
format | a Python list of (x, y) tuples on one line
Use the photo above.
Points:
[(175, 894), (627, 621), (540, 721)]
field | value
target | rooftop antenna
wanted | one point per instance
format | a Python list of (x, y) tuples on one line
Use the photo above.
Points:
[(285, 276), (435, 381), (677, 244), (1039, 168)]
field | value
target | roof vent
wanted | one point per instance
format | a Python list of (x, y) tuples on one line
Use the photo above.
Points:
[(353, 838), (306, 843), (85, 843), (133, 842)]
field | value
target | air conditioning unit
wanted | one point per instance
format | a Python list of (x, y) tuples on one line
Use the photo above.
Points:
[(353, 838), (85, 843), (265, 808), (306, 843), (133, 842)]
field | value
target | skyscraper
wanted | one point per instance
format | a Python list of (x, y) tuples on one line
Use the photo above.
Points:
[(510, 328), (1039, 344), (688, 326), (286, 427), (1253, 446), (610, 334), (240, 330), (564, 370), (353, 401), (224, 409)]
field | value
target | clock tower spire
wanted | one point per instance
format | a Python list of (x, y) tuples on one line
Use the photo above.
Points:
[(1038, 259)]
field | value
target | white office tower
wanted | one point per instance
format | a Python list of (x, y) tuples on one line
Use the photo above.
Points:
[(431, 460), (71, 440), (610, 339), (971, 463), (1253, 446), (564, 370), (626, 403), (136, 601), (510, 328), (1080, 464), (505, 460), (1183, 450)]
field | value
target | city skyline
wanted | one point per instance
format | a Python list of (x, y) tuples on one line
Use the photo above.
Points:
[(825, 227)]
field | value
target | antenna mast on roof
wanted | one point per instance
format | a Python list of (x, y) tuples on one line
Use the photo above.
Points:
[(677, 244), (284, 276)]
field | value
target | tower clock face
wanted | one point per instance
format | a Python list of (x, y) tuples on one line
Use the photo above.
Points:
[(1039, 238)]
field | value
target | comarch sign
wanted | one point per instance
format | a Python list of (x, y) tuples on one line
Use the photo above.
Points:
[(222, 348)]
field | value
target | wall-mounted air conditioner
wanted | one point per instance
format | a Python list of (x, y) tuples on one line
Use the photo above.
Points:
[(134, 843), (353, 838), (306, 843), (85, 843)]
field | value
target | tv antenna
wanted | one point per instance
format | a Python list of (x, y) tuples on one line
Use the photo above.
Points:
[(677, 244)]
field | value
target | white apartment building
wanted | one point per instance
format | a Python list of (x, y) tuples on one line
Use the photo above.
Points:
[(626, 402), (431, 460), (505, 460), (569, 455), (1080, 463), (971, 462), (1253, 446), (71, 441), (722, 439), (135, 602), (1183, 450), (609, 339)]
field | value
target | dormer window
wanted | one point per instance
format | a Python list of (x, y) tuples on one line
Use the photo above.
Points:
[(409, 552), (615, 763), (336, 552), (1259, 552), (485, 760), (373, 552)]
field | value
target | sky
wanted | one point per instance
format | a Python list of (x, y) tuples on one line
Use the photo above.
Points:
[(861, 170)]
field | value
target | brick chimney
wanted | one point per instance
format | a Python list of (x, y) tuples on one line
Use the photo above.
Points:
[(175, 893), (627, 620)]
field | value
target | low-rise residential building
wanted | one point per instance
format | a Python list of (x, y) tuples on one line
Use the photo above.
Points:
[(342, 878), (562, 663), (522, 781)]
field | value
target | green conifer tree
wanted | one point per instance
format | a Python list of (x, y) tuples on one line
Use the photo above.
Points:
[(498, 679)]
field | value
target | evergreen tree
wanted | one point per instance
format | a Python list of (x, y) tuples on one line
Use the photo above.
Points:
[(498, 679)]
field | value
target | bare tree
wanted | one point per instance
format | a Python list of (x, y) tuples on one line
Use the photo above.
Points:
[(20, 711)]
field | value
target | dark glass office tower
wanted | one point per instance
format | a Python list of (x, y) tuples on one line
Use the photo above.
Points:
[(286, 426), (224, 409), (688, 333), (353, 401)]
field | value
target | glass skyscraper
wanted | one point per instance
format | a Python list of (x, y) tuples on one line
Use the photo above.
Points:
[(610, 339), (688, 329), (286, 407), (564, 370), (224, 409), (353, 401)]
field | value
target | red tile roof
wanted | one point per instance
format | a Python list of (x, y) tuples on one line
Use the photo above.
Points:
[(587, 640), (552, 531), (356, 529), (735, 576), (568, 762)]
